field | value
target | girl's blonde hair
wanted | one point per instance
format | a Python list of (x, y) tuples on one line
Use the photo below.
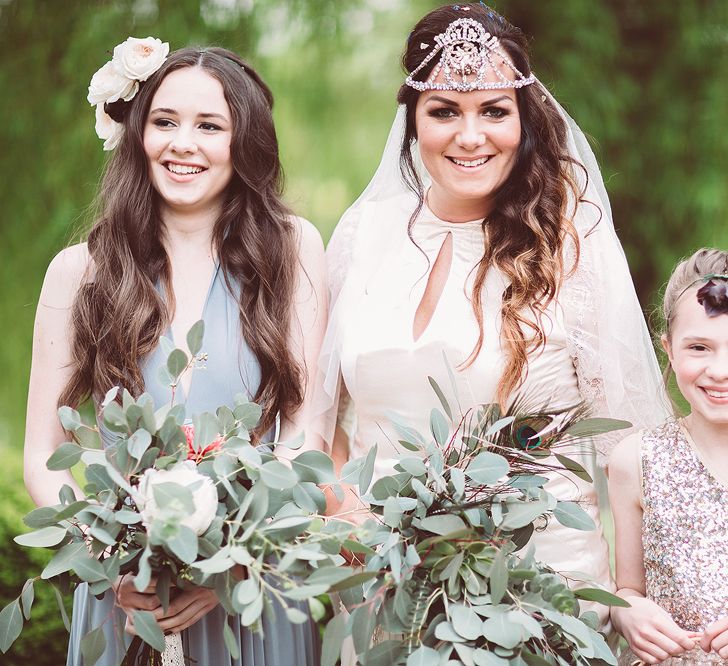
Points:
[(687, 273)]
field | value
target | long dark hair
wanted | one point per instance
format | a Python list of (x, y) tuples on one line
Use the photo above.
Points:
[(119, 314), (530, 221)]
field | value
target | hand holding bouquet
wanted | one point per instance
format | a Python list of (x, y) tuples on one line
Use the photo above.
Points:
[(184, 505)]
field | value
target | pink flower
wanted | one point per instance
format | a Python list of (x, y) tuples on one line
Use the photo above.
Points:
[(198, 456)]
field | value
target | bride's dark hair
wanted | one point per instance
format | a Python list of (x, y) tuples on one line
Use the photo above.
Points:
[(118, 314), (530, 221)]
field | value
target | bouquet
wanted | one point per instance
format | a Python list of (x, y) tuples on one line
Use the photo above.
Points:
[(188, 504), (449, 585)]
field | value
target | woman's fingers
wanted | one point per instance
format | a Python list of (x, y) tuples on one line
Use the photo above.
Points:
[(715, 637), (129, 599)]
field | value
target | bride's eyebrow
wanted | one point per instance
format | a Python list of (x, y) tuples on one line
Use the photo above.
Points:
[(442, 100)]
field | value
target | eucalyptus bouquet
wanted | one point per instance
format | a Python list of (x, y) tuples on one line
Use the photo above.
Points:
[(448, 585), (188, 505)]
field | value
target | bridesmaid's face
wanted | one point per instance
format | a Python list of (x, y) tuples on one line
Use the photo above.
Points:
[(468, 143), (187, 141), (698, 351)]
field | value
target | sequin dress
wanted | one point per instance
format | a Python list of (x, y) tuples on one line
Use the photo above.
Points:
[(684, 535)]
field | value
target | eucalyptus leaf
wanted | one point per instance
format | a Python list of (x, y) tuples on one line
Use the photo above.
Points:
[(148, 630), (251, 613), (195, 336), (595, 426), (570, 514), (27, 596), (138, 443), (64, 457), (173, 495), (277, 476), (176, 362), (333, 639), (11, 624), (441, 397), (498, 576), (70, 418), (43, 516), (487, 468), (42, 538), (183, 544), (439, 427), (93, 645), (65, 559), (600, 596), (466, 622), (314, 466), (424, 656), (248, 413), (231, 643), (367, 470), (442, 524)]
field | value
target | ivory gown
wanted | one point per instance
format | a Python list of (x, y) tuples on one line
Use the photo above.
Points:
[(385, 370)]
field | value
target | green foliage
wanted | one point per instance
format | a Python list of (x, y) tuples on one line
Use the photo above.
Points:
[(644, 79), (447, 582), (185, 508)]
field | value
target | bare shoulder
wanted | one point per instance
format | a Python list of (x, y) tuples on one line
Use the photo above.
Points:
[(624, 459), (309, 237), (67, 270)]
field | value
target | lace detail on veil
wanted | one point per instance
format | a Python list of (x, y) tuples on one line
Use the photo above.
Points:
[(340, 251)]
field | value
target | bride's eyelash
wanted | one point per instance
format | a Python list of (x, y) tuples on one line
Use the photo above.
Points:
[(441, 112)]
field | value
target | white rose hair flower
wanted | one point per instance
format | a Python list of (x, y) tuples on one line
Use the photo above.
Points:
[(134, 61), (204, 494), (139, 58), (110, 85), (107, 128)]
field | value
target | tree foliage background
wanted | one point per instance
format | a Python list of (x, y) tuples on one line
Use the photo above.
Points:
[(645, 79)]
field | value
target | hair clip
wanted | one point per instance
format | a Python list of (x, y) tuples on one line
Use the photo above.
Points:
[(713, 295), (424, 46)]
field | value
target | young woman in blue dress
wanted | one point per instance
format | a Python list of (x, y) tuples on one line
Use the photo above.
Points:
[(190, 225)]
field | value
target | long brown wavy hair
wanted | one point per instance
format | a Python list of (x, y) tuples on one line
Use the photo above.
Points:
[(119, 314), (531, 219)]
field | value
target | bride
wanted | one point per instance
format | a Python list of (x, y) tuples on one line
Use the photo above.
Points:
[(483, 244)]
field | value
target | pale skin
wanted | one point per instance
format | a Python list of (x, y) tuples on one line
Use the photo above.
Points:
[(698, 353), (185, 133)]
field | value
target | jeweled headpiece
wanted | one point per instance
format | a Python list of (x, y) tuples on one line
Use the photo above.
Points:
[(468, 53)]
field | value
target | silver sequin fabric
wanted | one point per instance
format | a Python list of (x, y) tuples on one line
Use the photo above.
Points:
[(684, 535)]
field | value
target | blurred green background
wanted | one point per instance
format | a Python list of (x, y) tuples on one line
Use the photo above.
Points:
[(646, 79)]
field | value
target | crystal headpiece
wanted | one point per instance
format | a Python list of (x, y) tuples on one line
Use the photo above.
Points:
[(467, 54)]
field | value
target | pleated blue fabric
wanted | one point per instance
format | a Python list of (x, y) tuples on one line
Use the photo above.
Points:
[(231, 369)]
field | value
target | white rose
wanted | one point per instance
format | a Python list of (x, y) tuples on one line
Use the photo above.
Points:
[(140, 58), (107, 128), (109, 85), (204, 494)]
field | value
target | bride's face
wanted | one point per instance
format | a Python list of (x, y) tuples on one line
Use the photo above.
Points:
[(468, 143)]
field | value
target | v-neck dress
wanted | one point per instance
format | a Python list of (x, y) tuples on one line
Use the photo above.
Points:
[(231, 369)]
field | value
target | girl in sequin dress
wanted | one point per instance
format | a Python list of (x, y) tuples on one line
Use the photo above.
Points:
[(669, 488)]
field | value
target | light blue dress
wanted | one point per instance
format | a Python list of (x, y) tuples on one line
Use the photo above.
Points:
[(231, 369)]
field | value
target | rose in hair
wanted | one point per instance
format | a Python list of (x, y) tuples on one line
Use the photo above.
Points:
[(713, 296), (107, 128), (139, 58), (110, 84)]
